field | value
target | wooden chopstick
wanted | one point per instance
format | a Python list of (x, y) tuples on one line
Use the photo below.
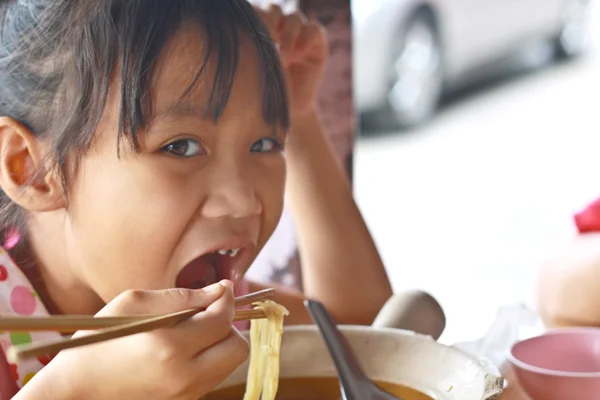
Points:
[(253, 297), (21, 352), (74, 323), (138, 325)]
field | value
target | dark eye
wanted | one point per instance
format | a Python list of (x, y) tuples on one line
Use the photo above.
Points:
[(184, 148), (266, 145)]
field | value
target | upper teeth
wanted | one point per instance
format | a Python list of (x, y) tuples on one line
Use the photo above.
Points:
[(230, 252)]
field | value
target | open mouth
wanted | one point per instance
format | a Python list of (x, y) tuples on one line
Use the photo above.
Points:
[(213, 267)]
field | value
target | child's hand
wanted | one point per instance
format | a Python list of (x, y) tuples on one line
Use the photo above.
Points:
[(303, 50), (183, 362)]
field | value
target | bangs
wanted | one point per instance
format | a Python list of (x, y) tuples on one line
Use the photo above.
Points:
[(58, 59), (130, 36)]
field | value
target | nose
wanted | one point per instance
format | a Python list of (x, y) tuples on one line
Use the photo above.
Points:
[(231, 194)]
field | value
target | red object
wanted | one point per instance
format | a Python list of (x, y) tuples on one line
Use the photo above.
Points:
[(3, 273), (588, 220), (45, 360), (14, 372)]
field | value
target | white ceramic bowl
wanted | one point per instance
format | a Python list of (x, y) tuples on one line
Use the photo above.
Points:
[(389, 355)]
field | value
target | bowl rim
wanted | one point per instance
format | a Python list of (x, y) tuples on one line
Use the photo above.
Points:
[(492, 372), (552, 372), (494, 382)]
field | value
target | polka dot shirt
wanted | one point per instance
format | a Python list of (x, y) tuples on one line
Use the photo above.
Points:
[(18, 298)]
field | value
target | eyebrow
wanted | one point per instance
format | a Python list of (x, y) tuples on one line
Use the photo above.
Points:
[(185, 109)]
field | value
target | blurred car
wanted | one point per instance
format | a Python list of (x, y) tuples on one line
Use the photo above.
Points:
[(407, 53)]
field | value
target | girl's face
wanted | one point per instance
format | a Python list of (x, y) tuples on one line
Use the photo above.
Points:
[(199, 200)]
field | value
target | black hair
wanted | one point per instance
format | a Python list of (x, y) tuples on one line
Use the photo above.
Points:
[(59, 57)]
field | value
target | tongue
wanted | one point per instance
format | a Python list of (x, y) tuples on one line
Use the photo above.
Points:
[(199, 273)]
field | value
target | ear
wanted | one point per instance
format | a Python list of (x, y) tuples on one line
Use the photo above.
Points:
[(23, 175)]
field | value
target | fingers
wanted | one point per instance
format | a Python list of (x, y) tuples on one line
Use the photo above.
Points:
[(213, 366), (272, 16), (293, 33), (136, 302), (312, 32), (292, 27), (222, 359), (206, 328)]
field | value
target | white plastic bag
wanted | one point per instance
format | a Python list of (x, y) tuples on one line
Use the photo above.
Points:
[(512, 324)]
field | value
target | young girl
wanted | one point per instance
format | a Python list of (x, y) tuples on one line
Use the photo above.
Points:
[(142, 166)]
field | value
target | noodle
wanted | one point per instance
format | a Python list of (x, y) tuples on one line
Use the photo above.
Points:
[(265, 343)]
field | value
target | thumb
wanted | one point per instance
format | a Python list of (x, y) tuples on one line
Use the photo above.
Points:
[(136, 302)]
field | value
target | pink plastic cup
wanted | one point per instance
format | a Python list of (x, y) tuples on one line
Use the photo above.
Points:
[(563, 364)]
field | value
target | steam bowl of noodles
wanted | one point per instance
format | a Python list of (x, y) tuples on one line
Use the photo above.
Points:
[(406, 364)]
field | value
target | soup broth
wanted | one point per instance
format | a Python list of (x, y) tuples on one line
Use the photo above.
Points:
[(314, 389)]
